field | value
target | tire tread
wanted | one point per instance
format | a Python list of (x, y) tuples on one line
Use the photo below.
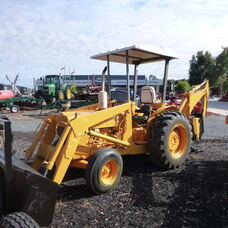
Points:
[(156, 138), (18, 220)]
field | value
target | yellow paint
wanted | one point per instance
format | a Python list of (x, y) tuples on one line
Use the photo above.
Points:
[(38, 135), (109, 138), (68, 94), (79, 164), (198, 93), (177, 141), (196, 127), (108, 123), (59, 145), (109, 173)]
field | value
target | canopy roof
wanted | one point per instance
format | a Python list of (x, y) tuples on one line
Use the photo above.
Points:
[(137, 54)]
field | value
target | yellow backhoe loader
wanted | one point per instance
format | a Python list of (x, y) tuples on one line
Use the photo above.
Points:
[(95, 137)]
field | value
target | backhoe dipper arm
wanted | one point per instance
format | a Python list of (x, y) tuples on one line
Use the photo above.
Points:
[(197, 94)]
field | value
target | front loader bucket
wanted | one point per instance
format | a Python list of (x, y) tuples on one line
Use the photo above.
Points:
[(22, 188)]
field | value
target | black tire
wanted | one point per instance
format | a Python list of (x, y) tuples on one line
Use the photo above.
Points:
[(98, 179), (49, 100), (169, 140), (14, 108), (18, 220)]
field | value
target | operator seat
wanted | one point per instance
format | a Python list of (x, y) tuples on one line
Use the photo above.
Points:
[(147, 97)]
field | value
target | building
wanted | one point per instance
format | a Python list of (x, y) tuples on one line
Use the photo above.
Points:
[(23, 90), (116, 81), (5, 87)]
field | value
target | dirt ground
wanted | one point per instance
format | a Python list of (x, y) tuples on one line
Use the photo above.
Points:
[(195, 195)]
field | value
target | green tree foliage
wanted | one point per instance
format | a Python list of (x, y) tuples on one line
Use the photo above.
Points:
[(221, 70), (182, 86), (225, 85), (202, 67)]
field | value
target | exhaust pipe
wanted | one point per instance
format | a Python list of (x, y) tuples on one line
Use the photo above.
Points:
[(102, 95)]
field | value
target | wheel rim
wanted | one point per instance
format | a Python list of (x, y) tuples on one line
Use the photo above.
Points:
[(14, 109), (109, 173), (178, 141)]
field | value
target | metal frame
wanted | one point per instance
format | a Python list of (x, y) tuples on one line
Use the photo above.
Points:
[(109, 78), (135, 81), (6, 165), (128, 77), (7, 143), (165, 78)]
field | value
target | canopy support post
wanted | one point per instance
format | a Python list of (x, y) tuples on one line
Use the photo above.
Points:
[(128, 77), (165, 80), (135, 81), (109, 78)]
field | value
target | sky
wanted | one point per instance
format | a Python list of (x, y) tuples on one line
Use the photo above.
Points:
[(39, 37)]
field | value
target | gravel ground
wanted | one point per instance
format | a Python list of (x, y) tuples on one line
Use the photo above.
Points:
[(195, 195)]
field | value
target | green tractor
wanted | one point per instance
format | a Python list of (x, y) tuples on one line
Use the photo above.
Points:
[(54, 88)]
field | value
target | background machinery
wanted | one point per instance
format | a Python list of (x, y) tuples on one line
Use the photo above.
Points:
[(95, 138), (54, 88), (13, 99)]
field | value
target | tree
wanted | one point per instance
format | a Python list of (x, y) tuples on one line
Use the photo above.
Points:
[(182, 86), (221, 70), (202, 67), (152, 77), (225, 85)]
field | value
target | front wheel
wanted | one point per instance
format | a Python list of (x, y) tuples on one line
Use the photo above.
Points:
[(104, 170), (18, 220), (169, 140), (14, 108)]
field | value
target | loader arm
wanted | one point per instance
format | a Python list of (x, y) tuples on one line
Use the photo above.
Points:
[(78, 126)]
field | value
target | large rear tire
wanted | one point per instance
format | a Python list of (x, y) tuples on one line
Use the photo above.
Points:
[(18, 220), (169, 140), (104, 170)]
